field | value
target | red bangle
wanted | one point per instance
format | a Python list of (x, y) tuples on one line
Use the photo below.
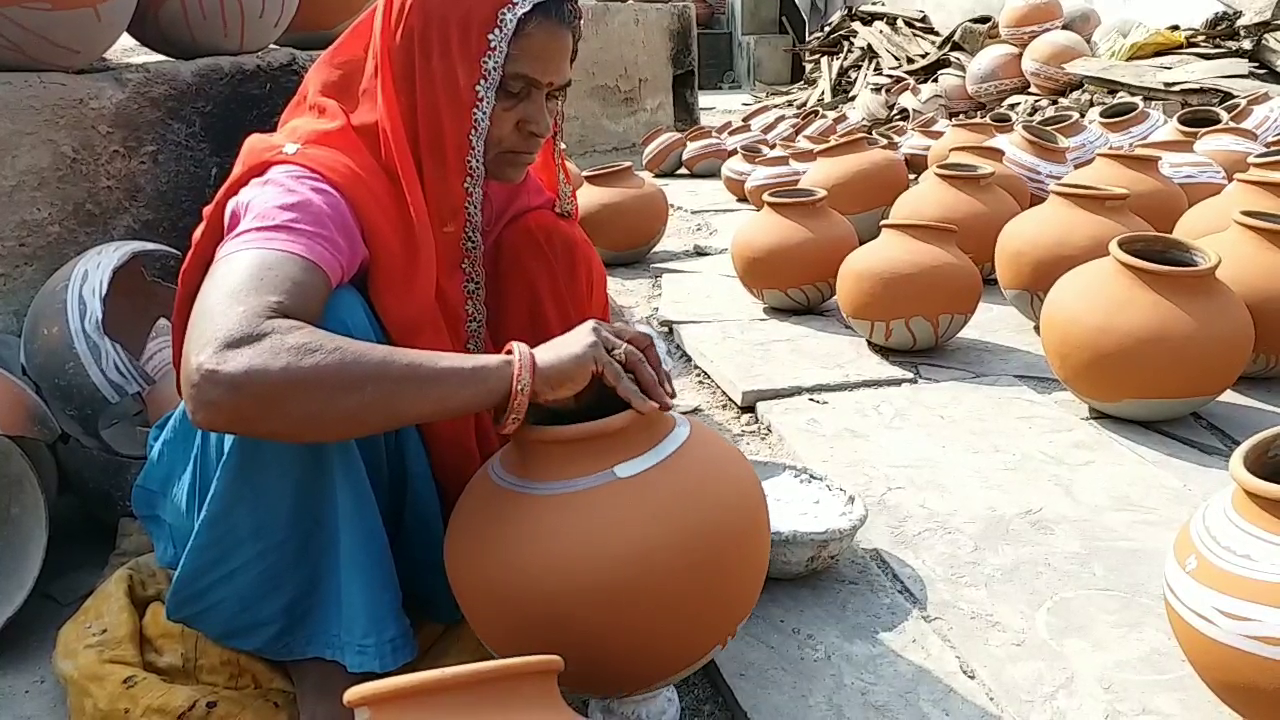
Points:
[(521, 387)]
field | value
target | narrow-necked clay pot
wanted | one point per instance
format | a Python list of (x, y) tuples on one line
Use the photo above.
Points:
[(862, 176), (741, 135), (1250, 252), (1189, 123), (522, 687), (995, 73), (959, 101), (1002, 120), (785, 130), (966, 196), (1022, 21), (737, 169), (622, 213), (958, 133), (663, 598), (1260, 112), (1038, 155), (1043, 58), (662, 150), (704, 153), (1248, 191), (723, 128), (1197, 176), (802, 156), (993, 157), (1152, 196), (1084, 218), (1222, 582), (788, 254), (1230, 146), (1148, 333), (774, 171), (1127, 122), (910, 290), (1084, 138)]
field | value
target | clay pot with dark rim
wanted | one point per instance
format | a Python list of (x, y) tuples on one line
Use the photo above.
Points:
[(1148, 333), (960, 132), (1189, 123), (663, 599), (788, 254), (1085, 139), (1197, 176), (62, 37), (662, 151), (774, 171), (1128, 122), (993, 157), (910, 290), (622, 213), (1250, 252), (190, 29), (1152, 196), (1230, 146), (737, 169), (1038, 156), (1248, 191), (317, 24), (862, 177), (1084, 218)]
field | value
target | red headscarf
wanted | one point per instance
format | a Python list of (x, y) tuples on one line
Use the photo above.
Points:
[(394, 115)]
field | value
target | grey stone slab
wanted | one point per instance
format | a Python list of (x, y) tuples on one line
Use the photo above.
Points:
[(709, 297), (1245, 410), (723, 226), (1184, 429), (942, 374), (997, 342), (841, 645), (718, 264), (1038, 540), (699, 194), (755, 360)]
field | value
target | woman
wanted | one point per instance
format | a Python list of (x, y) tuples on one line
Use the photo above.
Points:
[(375, 297)]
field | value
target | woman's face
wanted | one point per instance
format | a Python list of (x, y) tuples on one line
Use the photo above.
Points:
[(534, 81)]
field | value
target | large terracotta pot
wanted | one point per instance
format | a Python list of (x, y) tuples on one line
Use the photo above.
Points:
[(1147, 333), (317, 23), (188, 29), (737, 170), (1043, 58), (1084, 219), (1022, 21), (910, 290), (1128, 122), (774, 171), (624, 214), (1084, 139), (960, 132), (704, 153), (1230, 146), (1260, 112), (1152, 196), (862, 176), (993, 157), (995, 73), (1197, 176), (964, 195), (1250, 252), (1038, 155), (1257, 189), (1189, 123), (788, 254), (635, 607), (521, 688), (662, 151), (61, 36), (1222, 582)]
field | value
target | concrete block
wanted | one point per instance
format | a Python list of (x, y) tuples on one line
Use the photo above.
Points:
[(763, 59)]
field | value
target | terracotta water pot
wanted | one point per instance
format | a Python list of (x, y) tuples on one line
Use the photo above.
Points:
[(317, 23), (1148, 333), (624, 214), (633, 609), (1250, 252), (61, 36), (1222, 582), (1022, 21), (995, 73), (1038, 155), (1260, 112), (189, 29), (818, 127), (521, 688), (742, 135), (914, 148), (774, 171), (1197, 176), (787, 129), (964, 195), (1230, 146), (1257, 189), (1043, 58), (960, 132), (723, 128), (993, 157), (1084, 139), (788, 254), (662, 151), (1127, 122), (1002, 120), (1084, 219), (737, 169), (1152, 196), (910, 290), (703, 153), (1082, 20), (756, 113), (802, 156), (1189, 123), (956, 93), (862, 177)]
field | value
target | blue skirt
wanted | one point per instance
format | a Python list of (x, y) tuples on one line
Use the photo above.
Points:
[(299, 551)]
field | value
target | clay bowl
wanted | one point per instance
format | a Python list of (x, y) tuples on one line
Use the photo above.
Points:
[(814, 521)]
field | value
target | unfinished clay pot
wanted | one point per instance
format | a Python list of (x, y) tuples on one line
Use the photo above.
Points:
[(1197, 176), (704, 153), (1189, 123), (1260, 112), (788, 254), (61, 36), (189, 29), (1038, 155), (1250, 252), (1022, 21), (1222, 582), (1248, 191), (1152, 196), (622, 213), (960, 132), (671, 582), (956, 93), (992, 157), (1230, 146), (1127, 122), (910, 290), (995, 73), (737, 169), (774, 171), (1084, 139), (862, 176), (1073, 226), (1043, 58), (520, 688), (317, 23), (662, 151), (966, 196), (1148, 333)]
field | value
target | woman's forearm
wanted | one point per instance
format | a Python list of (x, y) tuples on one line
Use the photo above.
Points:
[(288, 381)]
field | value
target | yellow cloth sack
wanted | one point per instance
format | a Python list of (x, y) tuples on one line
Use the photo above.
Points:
[(1140, 42)]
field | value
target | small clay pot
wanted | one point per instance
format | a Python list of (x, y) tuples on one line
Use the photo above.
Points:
[(1085, 139), (862, 176), (1043, 58), (1127, 122), (1230, 146), (774, 171), (1148, 333), (995, 73), (1252, 190), (910, 290), (1002, 120), (704, 153), (662, 151), (737, 169), (1189, 123), (1250, 252), (957, 133), (622, 213), (788, 254), (1152, 196), (993, 157), (1197, 176), (1022, 21), (1038, 155)]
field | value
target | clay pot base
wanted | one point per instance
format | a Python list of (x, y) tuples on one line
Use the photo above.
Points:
[(1262, 366), (1027, 302), (802, 299), (706, 168), (630, 257), (910, 334), (867, 224)]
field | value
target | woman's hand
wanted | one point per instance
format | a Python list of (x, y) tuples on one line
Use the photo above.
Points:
[(625, 358)]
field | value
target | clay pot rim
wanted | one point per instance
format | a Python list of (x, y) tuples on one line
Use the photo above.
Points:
[(977, 149), (1123, 247), (695, 133), (1111, 112), (1253, 178), (723, 127), (1139, 155), (392, 688), (1254, 98), (1245, 458), (1260, 220), (972, 122), (870, 141), (609, 169), (810, 115), (1266, 157), (925, 224), (1194, 112), (1090, 191), (1232, 107), (792, 196), (1230, 129), (893, 128), (576, 431), (1063, 119), (1182, 144), (1053, 140), (991, 118), (964, 170), (751, 148)]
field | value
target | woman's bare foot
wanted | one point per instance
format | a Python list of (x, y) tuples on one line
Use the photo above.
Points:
[(318, 686)]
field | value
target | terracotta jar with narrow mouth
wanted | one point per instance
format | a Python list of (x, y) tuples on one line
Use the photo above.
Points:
[(862, 177), (1222, 582), (1002, 120), (622, 213), (774, 171), (910, 290), (1189, 123), (1022, 21), (1250, 252), (1038, 155), (1258, 111), (1197, 176), (958, 133), (1128, 122), (788, 254), (637, 607), (1152, 196), (704, 154), (1230, 146), (1248, 191), (1084, 219), (737, 169), (993, 157), (1148, 333), (1085, 139), (964, 195), (742, 135), (521, 687), (801, 155), (662, 151)]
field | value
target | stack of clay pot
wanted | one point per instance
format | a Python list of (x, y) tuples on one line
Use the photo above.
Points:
[(622, 213), (61, 36), (187, 29)]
